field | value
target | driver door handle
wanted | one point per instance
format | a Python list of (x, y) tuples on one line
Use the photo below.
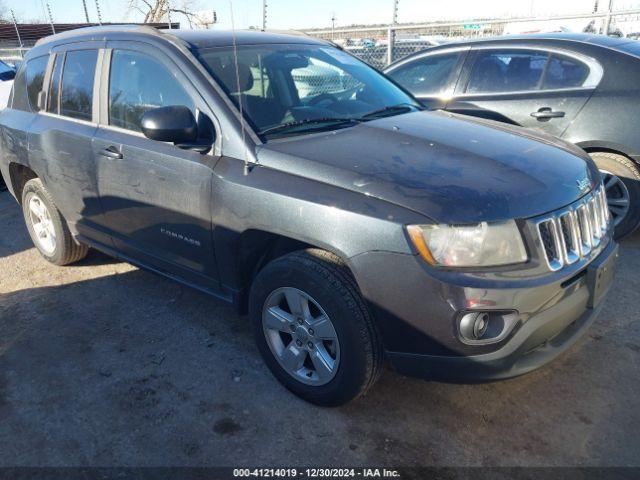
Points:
[(545, 113), (111, 152)]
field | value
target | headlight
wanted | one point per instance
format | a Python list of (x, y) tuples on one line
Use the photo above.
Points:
[(481, 245)]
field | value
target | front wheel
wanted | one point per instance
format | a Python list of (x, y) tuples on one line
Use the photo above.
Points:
[(622, 183), (313, 328)]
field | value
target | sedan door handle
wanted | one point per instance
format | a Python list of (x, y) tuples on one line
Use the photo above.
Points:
[(111, 152), (545, 113)]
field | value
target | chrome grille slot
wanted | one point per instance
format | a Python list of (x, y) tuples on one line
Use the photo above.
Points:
[(585, 229), (573, 232), (571, 237), (551, 241)]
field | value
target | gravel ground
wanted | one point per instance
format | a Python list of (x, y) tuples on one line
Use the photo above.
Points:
[(104, 364)]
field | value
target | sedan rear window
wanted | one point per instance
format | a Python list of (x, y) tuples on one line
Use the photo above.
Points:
[(506, 71)]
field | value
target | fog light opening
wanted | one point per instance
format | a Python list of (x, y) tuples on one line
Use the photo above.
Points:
[(486, 327)]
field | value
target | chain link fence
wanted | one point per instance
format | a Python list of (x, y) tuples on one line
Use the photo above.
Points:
[(381, 45)]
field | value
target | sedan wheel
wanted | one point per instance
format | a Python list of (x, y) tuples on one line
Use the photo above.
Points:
[(617, 197), (621, 179)]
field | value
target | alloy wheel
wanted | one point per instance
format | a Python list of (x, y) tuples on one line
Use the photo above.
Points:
[(301, 336), (618, 197), (42, 225)]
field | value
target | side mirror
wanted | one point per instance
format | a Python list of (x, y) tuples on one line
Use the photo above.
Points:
[(174, 124)]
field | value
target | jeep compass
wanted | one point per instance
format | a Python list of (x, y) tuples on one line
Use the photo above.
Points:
[(283, 175)]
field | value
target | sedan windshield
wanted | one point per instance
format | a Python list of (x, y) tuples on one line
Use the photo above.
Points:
[(294, 89)]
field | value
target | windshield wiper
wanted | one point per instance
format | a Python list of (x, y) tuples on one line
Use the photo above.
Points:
[(310, 122), (390, 110)]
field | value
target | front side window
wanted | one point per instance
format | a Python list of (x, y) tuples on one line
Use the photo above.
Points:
[(294, 89), (139, 83), (36, 69), (428, 75), (564, 72), (506, 71), (76, 86)]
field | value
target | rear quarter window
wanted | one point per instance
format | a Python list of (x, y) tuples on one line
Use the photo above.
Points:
[(36, 70), (564, 72)]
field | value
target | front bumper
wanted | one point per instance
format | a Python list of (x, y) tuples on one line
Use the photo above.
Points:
[(418, 326)]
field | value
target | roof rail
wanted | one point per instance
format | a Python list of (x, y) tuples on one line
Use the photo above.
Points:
[(105, 28)]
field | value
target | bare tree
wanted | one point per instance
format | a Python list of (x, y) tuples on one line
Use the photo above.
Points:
[(157, 11)]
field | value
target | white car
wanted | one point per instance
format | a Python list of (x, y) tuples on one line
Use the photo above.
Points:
[(7, 75)]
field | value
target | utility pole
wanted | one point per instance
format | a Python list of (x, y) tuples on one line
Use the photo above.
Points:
[(15, 24), (264, 15), (391, 33), (53, 29), (98, 10), (86, 11), (333, 26), (607, 19), (169, 13)]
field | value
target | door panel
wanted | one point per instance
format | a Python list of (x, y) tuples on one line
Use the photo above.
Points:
[(60, 140), (520, 108), (156, 197)]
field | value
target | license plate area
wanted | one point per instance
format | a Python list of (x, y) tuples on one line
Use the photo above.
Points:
[(600, 275)]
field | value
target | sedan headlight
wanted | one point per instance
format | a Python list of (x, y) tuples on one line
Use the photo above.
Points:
[(481, 245)]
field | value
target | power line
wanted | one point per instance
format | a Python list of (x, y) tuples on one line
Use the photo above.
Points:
[(264, 15), (98, 10), (86, 10)]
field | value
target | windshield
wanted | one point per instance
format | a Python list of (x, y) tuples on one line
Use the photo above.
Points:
[(295, 89)]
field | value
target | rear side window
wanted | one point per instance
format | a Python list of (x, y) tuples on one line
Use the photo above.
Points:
[(76, 95), (428, 75), (36, 69), (139, 83), (506, 71), (564, 72)]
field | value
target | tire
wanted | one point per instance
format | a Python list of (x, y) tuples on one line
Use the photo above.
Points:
[(613, 165), (331, 290), (54, 240)]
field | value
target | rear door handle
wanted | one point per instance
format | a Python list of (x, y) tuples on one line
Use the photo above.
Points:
[(111, 152), (546, 113)]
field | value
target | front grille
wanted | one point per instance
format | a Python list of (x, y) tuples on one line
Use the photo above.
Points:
[(570, 234)]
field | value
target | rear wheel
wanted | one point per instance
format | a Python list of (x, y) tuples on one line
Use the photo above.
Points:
[(47, 228), (622, 184), (313, 328)]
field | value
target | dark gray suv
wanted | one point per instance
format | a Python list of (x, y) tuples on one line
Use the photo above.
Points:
[(284, 175)]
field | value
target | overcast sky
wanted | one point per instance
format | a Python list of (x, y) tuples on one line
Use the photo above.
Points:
[(297, 14)]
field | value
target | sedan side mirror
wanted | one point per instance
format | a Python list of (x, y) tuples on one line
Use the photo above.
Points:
[(174, 124)]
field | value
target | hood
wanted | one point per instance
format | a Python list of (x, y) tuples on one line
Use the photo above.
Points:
[(451, 168)]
